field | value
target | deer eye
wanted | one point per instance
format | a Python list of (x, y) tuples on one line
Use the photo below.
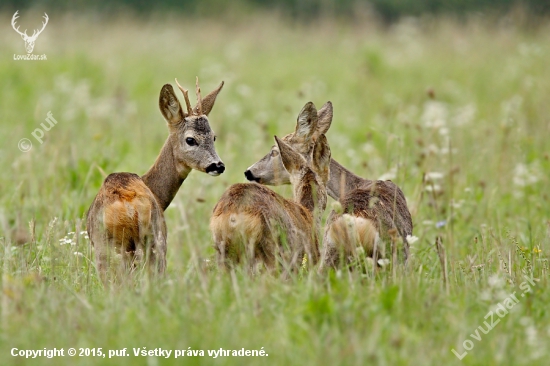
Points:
[(191, 141), (274, 153)]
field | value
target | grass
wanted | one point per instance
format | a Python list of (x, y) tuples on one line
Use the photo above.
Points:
[(465, 100)]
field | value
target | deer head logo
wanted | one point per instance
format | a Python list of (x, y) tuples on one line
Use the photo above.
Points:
[(29, 41)]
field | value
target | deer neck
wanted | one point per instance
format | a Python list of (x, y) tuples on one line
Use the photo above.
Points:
[(342, 181), (165, 177), (311, 195)]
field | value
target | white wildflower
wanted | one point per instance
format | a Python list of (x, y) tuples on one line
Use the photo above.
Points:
[(411, 239), (435, 114), (526, 175), (433, 188), (383, 262), (78, 254), (67, 240), (434, 176)]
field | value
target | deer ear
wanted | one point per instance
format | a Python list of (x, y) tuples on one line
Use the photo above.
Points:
[(169, 105), (307, 121), (320, 160), (208, 101), (291, 159), (324, 119)]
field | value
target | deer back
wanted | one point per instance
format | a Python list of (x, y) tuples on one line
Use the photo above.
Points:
[(124, 211), (252, 220), (264, 221), (368, 215)]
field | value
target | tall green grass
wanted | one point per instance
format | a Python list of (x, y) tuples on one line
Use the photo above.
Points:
[(469, 101)]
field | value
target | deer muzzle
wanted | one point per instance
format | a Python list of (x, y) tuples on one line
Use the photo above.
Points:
[(215, 169)]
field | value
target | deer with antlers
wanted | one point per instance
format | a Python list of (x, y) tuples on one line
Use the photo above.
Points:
[(29, 41), (127, 213)]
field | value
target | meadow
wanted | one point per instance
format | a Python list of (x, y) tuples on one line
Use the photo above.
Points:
[(456, 113)]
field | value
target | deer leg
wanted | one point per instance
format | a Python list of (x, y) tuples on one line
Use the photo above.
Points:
[(155, 253), (102, 263), (158, 253), (406, 250), (220, 246)]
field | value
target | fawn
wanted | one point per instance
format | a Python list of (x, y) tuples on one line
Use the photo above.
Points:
[(370, 208), (252, 221), (128, 212)]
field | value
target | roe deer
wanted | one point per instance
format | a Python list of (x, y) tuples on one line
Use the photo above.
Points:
[(252, 221), (380, 205), (128, 212)]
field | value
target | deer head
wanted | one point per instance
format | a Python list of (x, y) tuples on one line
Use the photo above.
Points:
[(29, 41), (308, 177), (193, 138), (309, 126)]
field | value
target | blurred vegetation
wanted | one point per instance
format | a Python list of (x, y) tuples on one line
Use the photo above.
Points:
[(388, 10), (465, 101)]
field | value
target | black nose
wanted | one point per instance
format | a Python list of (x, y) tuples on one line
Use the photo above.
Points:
[(248, 174), (216, 167)]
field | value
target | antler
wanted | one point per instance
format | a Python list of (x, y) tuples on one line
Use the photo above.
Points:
[(186, 97), (35, 34), (199, 100), (15, 16)]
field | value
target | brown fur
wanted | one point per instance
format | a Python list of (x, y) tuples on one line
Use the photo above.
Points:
[(381, 204), (127, 213), (347, 233), (253, 222), (342, 184)]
